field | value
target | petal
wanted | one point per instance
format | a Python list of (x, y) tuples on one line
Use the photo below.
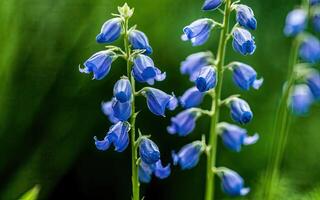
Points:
[(257, 83), (101, 144), (251, 139)]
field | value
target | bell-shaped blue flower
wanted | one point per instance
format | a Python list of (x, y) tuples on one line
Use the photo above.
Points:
[(183, 124), (158, 101), (206, 80), (117, 135), (191, 98), (296, 22), (232, 184), (121, 111), (243, 42), (245, 17), (144, 70), (160, 171), (149, 151), (313, 81), (310, 49), (188, 156), (316, 21), (211, 4), (122, 90), (240, 111), (110, 31), (106, 108), (140, 41), (301, 99), (245, 76), (99, 64), (234, 137), (198, 32), (145, 172), (194, 63)]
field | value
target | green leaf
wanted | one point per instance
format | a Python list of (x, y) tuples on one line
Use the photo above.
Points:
[(32, 194)]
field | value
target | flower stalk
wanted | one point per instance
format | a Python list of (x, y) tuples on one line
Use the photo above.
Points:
[(211, 156)]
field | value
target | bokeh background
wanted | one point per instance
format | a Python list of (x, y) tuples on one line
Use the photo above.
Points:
[(49, 112)]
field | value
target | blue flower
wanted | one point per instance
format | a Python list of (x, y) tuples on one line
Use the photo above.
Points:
[(240, 111), (108, 111), (234, 137), (245, 76), (314, 2), (146, 170), (121, 111), (145, 71), (245, 17), (191, 98), (183, 124), (316, 21), (158, 101), (194, 63), (188, 156), (232, 184), (243, 42), (206, 79), (149, 151), (110, 31), (313, 81), (310, 49), (301, 99), (122, 90), (160, 171), (139, 40), (99, 64), (117, 135), (211, 4), (198, 32), (296, 22)]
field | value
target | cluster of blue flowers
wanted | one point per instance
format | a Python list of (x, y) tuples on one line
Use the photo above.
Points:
[(202, 71), (119, 108), (306, 89)]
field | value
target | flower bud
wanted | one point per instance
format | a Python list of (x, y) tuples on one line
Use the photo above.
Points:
[(183, 124), (110, 31), (206, 79), (149, 151), (188, 156), (140, 41), (296, 22), (240, 111), (122, 90), (198, 32), (243, 42), (245, 17)]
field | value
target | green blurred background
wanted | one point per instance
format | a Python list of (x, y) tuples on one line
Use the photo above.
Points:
[(49, 112)]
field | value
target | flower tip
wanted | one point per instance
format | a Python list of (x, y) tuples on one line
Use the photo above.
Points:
[(251, 139), (244, 191), (175, 158), (257, 83), (184, 37)]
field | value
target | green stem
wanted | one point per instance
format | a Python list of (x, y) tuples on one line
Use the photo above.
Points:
[(281, 127), (211, 157), (134, 156)]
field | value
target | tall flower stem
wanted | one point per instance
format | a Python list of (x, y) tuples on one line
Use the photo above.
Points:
[(281, 127), (211, 154), (134, 156)]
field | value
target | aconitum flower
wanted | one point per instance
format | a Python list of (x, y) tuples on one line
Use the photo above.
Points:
[(240, 111), (121, 111), (232, 184), (198, 32), (191, 98), (110, 31), (316, 22), (149, 151), (245, 17), (122, 90), (117, 135), (194, 63), (245, 76), (243, 42), (99, 64), (301, 99), (206, 80), (211, 4), (146, 170), (310, 49), (183, 124), (158, 101), (313, 81), (188, 156), (106, 108), (234, 137), (139, 40), (296, 22), (145, 71)]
